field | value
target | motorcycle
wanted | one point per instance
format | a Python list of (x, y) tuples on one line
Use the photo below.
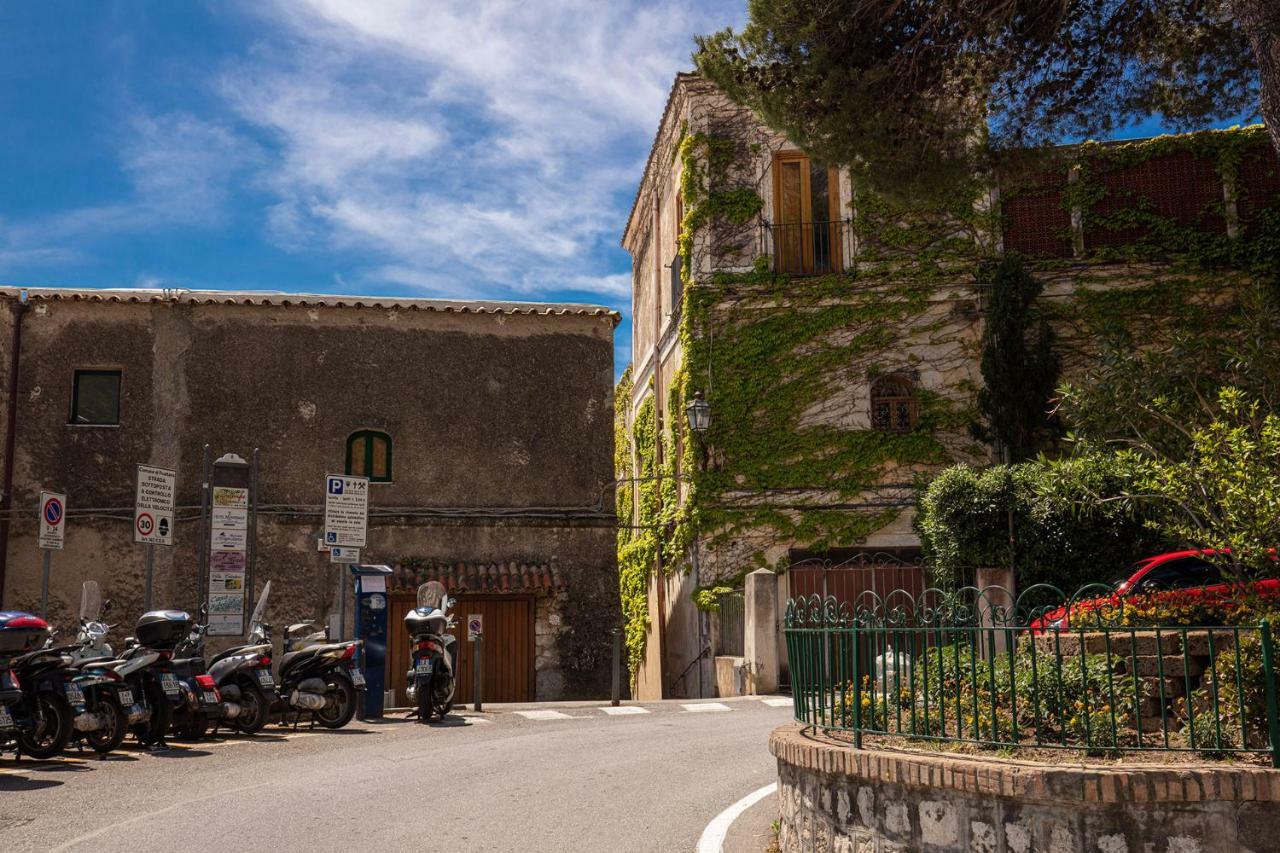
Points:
[(201, 702), (145, 667), (20, 634), (318, 678), (104, 721), (433, 652), (243, 676)]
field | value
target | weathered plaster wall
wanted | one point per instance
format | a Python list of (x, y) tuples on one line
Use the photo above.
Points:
[(487, 412), (837, 799)]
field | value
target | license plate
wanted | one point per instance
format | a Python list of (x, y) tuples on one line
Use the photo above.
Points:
[(210, 697), (170, 685), (6, 721), (74, 696), (357, 677), (424, 667), (126, 697), (264, 678)]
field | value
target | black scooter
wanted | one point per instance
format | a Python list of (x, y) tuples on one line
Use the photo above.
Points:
[(320, 679)]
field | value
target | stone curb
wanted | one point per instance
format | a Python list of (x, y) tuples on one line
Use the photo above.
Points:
[(1024, 780)]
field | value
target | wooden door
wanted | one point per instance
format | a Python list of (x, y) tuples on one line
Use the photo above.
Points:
[(508, 646), (807, 212)]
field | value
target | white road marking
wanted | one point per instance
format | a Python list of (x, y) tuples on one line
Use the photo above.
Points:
[(707, 706), (712, 840), (778, 702), (544, 715), (485, 721), (623, 709)]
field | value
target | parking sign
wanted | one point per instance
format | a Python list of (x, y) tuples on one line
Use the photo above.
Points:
[(346, 510), (53, 521)]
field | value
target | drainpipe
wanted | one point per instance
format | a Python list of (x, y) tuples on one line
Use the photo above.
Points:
[(10, 439), (658, 396)]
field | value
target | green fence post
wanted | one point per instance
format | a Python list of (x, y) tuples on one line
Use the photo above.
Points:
[(1269, 676), (857, 688)]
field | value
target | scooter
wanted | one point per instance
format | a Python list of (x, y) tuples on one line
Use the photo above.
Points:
[(320, 679), (145, 668), (20, 634), (104, 721), (201, 703), (243, 676), (433, 652)]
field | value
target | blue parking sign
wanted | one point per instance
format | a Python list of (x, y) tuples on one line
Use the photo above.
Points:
[(335, 485)]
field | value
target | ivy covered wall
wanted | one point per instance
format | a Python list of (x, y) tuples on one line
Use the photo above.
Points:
[(790, 459)]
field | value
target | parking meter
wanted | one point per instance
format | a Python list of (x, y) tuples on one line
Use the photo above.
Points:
[(371, 628)]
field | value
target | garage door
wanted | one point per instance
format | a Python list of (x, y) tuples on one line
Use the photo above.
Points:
[(508, 646)]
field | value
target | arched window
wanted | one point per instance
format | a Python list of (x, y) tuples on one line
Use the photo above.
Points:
[(893, 404), (369, 455)]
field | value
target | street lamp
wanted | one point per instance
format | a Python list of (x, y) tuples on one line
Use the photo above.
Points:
[(699, 413)]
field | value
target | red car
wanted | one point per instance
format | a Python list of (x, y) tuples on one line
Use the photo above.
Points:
[(1185, 576)]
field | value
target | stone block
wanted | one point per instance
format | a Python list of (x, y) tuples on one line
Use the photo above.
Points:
[(982, 837), (1197, 643), (938, 824), (1148, 666)]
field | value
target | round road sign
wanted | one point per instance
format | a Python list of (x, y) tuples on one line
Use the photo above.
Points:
[(53, 512), (145, 523)]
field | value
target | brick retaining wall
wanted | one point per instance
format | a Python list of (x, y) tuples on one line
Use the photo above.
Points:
[(839, 800)]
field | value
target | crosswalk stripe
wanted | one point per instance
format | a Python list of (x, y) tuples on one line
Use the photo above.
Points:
[(622, 710), (778, 702), (544, 715), (706, 706)]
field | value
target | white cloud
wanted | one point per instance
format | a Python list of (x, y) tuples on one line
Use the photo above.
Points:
[(480, 148)]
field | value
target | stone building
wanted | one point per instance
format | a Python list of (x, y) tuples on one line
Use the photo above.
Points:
[(836, 336), (483, 427)]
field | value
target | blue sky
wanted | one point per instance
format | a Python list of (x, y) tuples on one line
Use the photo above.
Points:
[(407, 147)]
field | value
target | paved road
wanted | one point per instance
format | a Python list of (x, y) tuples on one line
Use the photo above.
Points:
[(519, 778)]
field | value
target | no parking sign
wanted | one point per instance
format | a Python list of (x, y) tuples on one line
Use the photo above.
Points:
[(53, 521)]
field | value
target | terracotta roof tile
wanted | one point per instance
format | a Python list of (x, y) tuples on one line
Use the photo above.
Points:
[(270, 298), (512, 576)]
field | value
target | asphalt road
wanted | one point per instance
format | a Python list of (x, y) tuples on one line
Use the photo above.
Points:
[(585, 781)]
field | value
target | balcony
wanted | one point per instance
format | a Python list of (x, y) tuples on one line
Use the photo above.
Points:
[(808, 248)]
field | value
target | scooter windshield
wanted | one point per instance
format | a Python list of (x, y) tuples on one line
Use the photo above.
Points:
[(430, 594), (90, 601), (261, 609)]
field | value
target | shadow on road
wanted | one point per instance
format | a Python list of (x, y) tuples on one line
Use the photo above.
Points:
[(21, 783)]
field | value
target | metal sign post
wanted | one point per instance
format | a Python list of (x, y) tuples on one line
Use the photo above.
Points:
[(53, 531), (153, 517), (475, 633)]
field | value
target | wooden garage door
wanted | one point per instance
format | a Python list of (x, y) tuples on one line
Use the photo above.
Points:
[(508, 646)]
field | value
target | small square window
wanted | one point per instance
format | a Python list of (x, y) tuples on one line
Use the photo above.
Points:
[(95, 398)]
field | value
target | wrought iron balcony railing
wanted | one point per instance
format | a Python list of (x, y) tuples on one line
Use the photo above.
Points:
[(808, 248)]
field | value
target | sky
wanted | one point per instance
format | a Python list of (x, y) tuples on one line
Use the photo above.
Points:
[(395, 147)]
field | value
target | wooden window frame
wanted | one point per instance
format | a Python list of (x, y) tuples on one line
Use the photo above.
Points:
[(75, 395), (369, 434), (907, 387), (807, 261)]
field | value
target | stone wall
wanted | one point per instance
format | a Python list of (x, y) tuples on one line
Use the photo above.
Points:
[(499, 415), (834, 798)]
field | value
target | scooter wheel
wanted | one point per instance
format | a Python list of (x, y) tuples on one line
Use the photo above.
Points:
[(345, 707), (111, 735), (53, 732), (255, 710)]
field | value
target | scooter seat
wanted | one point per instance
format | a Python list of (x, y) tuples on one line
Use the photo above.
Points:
[(85, 663)]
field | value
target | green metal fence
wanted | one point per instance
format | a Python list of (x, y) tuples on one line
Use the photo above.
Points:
[(975, 666)]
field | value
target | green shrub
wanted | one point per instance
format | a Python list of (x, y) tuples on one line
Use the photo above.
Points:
[(1061, 534)]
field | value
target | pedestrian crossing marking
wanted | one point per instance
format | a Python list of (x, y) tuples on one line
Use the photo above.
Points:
[(544, 715), (622, 710), (778, 702), (706, 706)]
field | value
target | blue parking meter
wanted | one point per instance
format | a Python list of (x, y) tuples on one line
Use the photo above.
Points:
[(371, 628)]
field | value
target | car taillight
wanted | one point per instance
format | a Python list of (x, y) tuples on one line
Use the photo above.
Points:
[(349, 652), (264, 660), (424, 646), (205, 681)]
